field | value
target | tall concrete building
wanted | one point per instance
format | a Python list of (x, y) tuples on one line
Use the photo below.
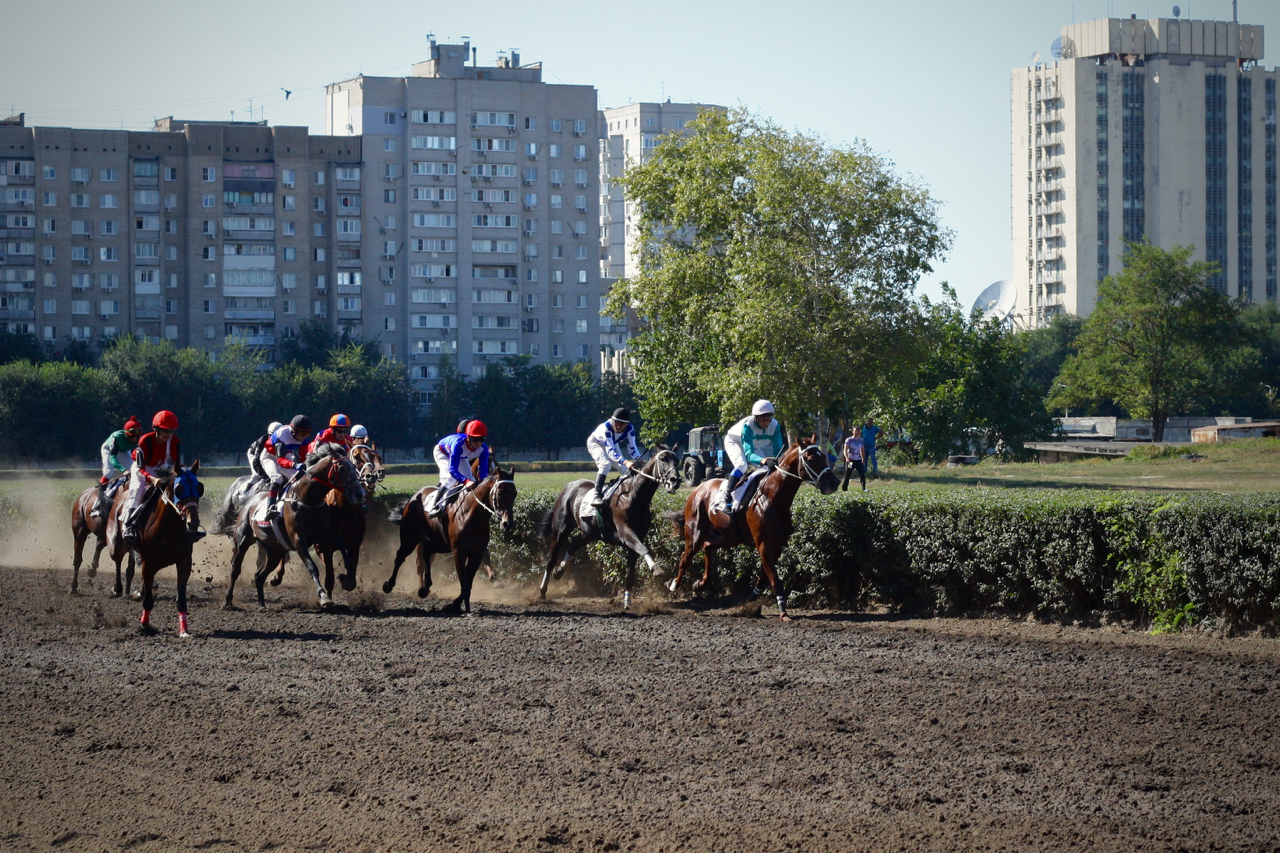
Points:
[(628, 135), (1160, 128), (191, 233), (479, 196)]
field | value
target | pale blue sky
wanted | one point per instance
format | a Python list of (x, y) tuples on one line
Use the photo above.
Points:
[(925, 83)]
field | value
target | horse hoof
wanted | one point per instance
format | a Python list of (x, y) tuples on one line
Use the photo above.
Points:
[(348, 583), (275, 581), (784, 618), (698, 585), (424, 591), (227, 605), (386, 588), (671, 587), (136, 596), (659, 573), (91, 572), (184, 635)]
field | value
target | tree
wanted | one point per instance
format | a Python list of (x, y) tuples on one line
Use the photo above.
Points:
[(19, 346), (771, 265), (1047, 349), (1159, 340), (971, 392)]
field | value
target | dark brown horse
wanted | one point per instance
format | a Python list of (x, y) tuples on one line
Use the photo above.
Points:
[(764, 524), (83, 524), (626, 519), (168, 527), (368, 465), (465, 532), (303, 523)]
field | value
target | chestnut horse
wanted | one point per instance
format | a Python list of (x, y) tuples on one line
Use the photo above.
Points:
[(304, 521), (368, 465), (168, 527), (465, 532), (626, 521), (82, 525), (764, 524)]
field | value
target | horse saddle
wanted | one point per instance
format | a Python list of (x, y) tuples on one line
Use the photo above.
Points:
[(586, 505), (746, 489), (251, 486), (112, 486)]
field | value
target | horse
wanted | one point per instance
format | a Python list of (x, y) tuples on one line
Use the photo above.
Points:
[(764, 524), (625, 523), (465, 532), (238, 493), (347, 529), (168, 528), (368, 465), (82, 525), (303, 523)]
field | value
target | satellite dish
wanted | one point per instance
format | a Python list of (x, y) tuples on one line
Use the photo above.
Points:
[(997, 301), (1055, 49), (1035, 57), (1177, 12)]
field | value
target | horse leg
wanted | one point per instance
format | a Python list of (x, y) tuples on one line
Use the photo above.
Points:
[(327, 558), (92, 571), (467, 565), (279, 575), (304, 551), (267, 562), (128, 578), (636, 546), (243, 538), (768, 561), (148, 602), (118, 590), (184, 573), (424, 571), (410, 538), (80, 534), (709, 572), (554, 557), (629, 578)]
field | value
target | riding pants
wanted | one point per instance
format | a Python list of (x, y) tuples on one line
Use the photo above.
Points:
[(278, 476), (603, 462), (737, 454), (138, 483), (122, 462)]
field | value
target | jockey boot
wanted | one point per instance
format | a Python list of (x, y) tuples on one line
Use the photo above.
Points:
[(273, 504), (438, 504), (100, 505), (598, 500), (128, 530), (726, 491)]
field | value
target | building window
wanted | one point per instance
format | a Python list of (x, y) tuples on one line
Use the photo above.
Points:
[(109, 174), (50, 173), (208, 174), (557, 351), (210, 305), (208, 200), (170, 174), (1215, 157), (1244, 186)]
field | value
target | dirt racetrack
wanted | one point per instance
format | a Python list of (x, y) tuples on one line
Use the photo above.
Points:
[(569, 726)]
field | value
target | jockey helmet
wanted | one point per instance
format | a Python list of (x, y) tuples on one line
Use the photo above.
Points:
[(462, 424), (762, 407), (275, 425), (358, 431), (622, 416), (133, 426), (477, 429), (340, 421), (165, 419), (300, 423)]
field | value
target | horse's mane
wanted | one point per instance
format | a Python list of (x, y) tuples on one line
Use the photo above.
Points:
[(320, 451)]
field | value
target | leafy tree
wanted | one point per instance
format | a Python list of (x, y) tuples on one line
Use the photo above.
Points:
[(769, 266), (1160, 341), (15, 346), (53, 411), (314, 341), (1047, 348), (971, 392)]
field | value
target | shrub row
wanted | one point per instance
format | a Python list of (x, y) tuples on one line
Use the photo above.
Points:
[(1163, 559)]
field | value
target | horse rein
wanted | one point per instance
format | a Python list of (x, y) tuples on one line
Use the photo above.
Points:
[(490, 510), (807, 467)]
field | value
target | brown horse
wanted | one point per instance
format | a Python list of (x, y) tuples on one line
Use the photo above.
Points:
[(168, 527), (764, 524), (465, 533), (368, 465), (625, 523), (304, 522), (83, 524)]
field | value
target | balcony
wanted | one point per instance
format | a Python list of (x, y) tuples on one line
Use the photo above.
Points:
[(348, 263), (146, 313), (18, 286), (21, 260), (148, 181), (1049, 208), (150, 261), (259, 340), (16, 314), (250, 314)]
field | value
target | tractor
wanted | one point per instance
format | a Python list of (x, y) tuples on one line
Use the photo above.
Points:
[(705, 457)]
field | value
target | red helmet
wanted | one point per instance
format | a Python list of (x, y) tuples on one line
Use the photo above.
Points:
[(340, 421), (477, 429), (165, 420), (133, 426)]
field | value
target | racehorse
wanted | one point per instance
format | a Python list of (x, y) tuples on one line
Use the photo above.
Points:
[(168, 527), (368, 465), (82, 525), (625, 523), (465, 532), (238, 493), (303, 523), (764, 524)]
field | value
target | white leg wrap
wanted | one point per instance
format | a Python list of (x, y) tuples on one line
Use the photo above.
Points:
[(649, 561), (626, 600), (782, 603)]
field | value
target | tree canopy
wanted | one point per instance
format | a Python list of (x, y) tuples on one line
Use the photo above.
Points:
[(771, 265), (1160, 341)]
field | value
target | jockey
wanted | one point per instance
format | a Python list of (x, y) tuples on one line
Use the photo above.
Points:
[(338, 432), (157, 453), (360, 435), (117, 453), (603, 445), (754, 440), (255, 450), (453, 459), (282, 458)]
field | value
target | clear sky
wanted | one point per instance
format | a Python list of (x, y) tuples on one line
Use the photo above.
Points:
[(925, 83)]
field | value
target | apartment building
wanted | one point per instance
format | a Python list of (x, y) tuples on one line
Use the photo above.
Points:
[(1168, 124), (193, 232), (480, 202), (628, 135)]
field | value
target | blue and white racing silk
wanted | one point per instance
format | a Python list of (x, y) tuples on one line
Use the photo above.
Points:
[(453, 458), (606, 446)]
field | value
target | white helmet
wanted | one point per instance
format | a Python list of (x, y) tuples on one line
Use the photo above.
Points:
[(762, 407), (275, 425), (358, 431)]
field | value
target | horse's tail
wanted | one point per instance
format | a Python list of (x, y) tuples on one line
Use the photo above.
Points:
[(397, 512), (546, 526), (677, 521), (226, 518)]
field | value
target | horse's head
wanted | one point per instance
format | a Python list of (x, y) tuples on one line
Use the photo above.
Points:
[(368, 465), (502, 497), (810, 463), (186, 492), (329, 464), (665, 468)]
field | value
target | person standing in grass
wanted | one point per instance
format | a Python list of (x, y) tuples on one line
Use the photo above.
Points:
[(855, 459), (869, 433)]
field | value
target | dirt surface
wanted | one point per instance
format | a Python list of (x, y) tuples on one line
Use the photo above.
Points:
[(386, 725)]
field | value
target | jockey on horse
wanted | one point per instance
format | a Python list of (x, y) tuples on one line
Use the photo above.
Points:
[(603, 445), (360, 435), (255, 450), (338, 432), (117, 457), (754, 440), (282, 459), (157, 454), (450, 453)]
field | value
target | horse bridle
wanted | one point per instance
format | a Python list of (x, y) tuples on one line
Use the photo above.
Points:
[(491, 510), (368, 470), (807, 467), (646, 474), (340, 489)]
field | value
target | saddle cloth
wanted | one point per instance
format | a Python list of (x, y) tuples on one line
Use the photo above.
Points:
[(749, 481), (586, 504)]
